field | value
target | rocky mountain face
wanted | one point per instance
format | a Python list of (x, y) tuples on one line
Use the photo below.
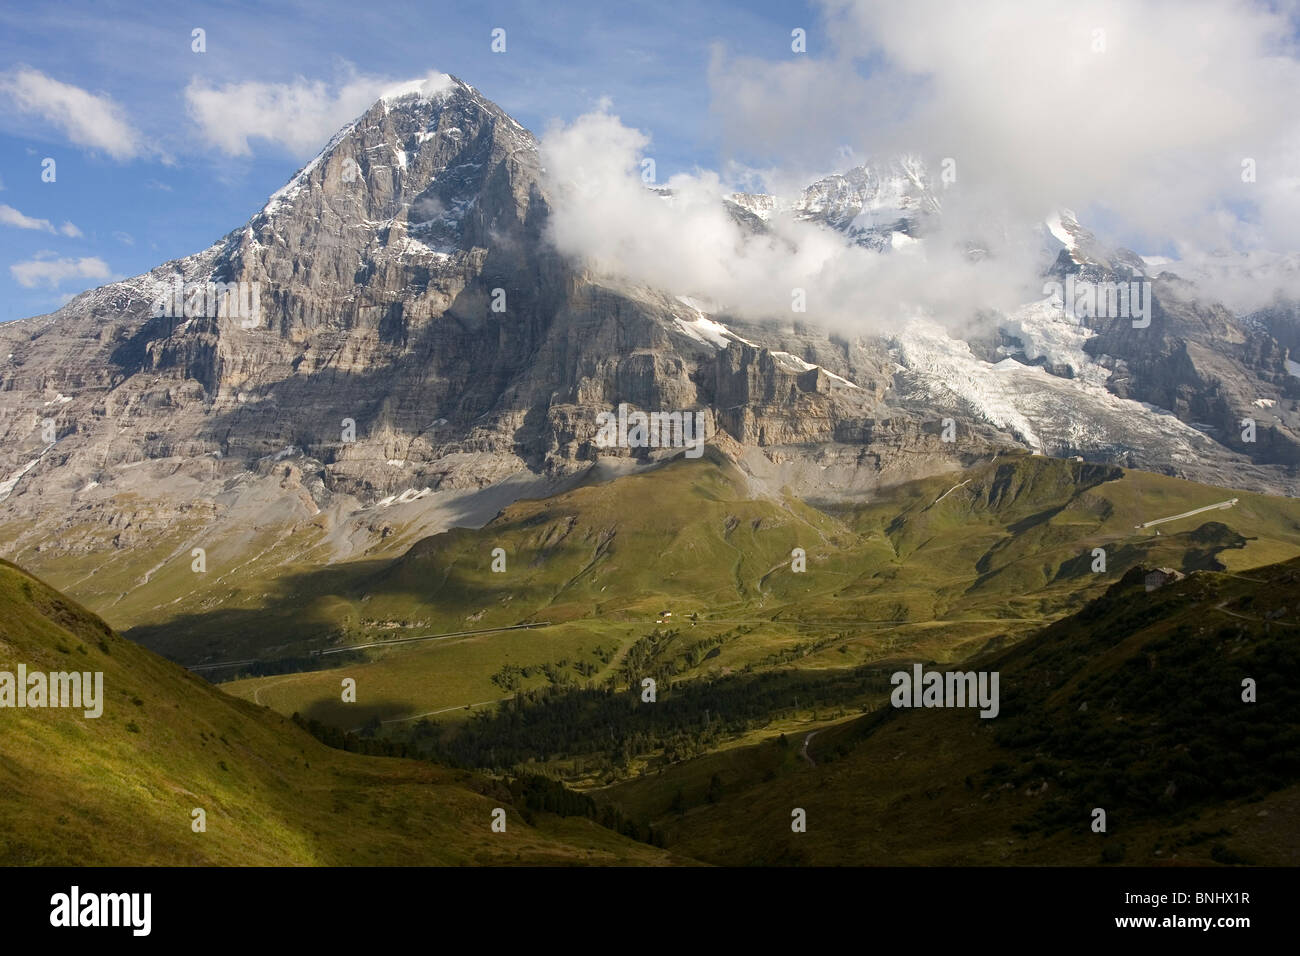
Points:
[(879, 205), (419, 355), (1212, 369)]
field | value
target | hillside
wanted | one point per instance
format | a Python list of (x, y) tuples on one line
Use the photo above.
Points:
[(936, 568), (1133, 705), (119, 789)]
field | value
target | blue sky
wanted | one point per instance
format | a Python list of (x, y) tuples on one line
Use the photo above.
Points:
[(175, 193)]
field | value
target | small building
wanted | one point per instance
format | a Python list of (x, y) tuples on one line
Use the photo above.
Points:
[(1162, 576)]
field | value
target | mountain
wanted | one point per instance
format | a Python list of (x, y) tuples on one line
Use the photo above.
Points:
[(365, 435), (412, 354), (120, 789), (879, 205)]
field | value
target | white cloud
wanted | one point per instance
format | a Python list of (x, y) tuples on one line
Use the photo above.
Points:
[(300, 116), (1146, 122), (1142, 129), (689, 245), (88, 119), (45, 269), (10, 216)]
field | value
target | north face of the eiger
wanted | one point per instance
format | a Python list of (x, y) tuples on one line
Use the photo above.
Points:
[(392, 346)]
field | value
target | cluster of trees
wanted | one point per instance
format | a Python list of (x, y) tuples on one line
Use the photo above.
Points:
[(802, 649), (609, 728), (534, 793), (353, 743), (662, 656), (512, 676), (640, 660), (531, 793)]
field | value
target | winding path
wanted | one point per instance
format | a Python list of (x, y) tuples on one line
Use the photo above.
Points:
[(804, 752)]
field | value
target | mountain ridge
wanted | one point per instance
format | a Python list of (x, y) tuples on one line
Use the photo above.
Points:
[(379, 394)]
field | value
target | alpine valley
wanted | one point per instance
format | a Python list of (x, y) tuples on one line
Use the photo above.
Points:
[(394, 474)]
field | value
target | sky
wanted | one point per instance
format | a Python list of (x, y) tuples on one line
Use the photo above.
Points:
[(1168, 125)]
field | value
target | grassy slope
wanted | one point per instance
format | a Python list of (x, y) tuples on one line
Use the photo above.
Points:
[(995, 558), (1186, 771), (120, 789)]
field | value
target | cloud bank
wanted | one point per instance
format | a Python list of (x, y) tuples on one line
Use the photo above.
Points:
[(682, 239), (1169, 127)]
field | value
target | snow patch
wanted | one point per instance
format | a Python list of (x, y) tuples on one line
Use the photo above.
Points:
[(411, 246), (1046, 333), (406, 497), (790, 359), (1047, 413), (435, 86), (759, 204), (11, 482), (704, 329), (1056, 227), (709, 332)]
